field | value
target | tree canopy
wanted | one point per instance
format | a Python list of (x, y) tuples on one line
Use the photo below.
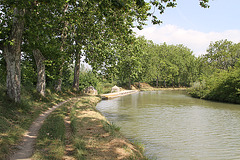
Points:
[(53, 34)]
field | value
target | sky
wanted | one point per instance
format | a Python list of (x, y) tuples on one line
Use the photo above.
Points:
[(196, 27)]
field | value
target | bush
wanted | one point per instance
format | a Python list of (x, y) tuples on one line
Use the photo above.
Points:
[(87, 79), (222, 86)]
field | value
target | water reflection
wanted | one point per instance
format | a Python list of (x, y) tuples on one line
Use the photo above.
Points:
[(173, 125)]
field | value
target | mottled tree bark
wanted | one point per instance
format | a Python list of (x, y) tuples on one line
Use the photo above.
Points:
[(76, 71), (41, 76), (12, 56)]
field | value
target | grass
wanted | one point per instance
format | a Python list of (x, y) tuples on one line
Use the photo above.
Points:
[(15, 118), (79, 148), (50, 141), (77, 141), (73, 124), (49, 149), (89, 131), (95, 137), (110, 128)]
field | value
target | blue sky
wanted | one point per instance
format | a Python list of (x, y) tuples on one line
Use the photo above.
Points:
[(197, 27)]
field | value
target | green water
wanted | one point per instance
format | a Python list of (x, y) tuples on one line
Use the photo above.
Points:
[(172, 125)]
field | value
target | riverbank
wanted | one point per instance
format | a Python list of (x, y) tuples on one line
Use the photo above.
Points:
[(147, 87), (117, 94), (87, 133), (163, 89)]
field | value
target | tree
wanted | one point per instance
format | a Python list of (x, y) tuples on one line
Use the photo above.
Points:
[(118, 15), (220, 54), (41, 77), (218, 73), (12, 50)]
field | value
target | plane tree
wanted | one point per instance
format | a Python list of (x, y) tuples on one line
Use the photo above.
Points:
[(118, 14), (222, 54)]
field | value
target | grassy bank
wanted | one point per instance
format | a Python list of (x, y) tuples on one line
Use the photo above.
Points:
[(147, 87), (76, 130), (92, 136), (15, 118)]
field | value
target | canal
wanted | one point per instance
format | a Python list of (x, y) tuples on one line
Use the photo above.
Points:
[(172, 125)]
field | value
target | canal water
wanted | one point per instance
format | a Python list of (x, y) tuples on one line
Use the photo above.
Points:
[(173, 126)]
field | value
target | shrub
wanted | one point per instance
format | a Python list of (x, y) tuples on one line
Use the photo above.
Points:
[(222, 86)]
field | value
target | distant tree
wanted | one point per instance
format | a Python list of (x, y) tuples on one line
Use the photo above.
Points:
[(222, 54)]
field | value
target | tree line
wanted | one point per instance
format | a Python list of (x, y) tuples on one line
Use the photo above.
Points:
[(161, 65), (219, 69), (48, 36)]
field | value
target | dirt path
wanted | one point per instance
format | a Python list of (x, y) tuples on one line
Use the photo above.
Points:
[(99, 139), (26, 148)]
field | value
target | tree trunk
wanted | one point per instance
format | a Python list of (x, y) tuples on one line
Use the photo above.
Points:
[(157, 82), (76, 72), (41, 80), (58, 87), (12, 55), (129, 83), (179, 85)]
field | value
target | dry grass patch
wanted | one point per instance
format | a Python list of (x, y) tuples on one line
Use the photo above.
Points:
[(100, 139)]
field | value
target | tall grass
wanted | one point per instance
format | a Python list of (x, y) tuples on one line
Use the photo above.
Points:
[(110, 128)]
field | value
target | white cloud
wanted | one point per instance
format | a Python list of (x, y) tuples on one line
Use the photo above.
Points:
[(197, 41)]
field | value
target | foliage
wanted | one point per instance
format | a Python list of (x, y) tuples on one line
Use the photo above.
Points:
[(28, 73), (221, 86), (62, 29), (222, 54), (104, 86), (87, 79), (218, 73), (142, 60)]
